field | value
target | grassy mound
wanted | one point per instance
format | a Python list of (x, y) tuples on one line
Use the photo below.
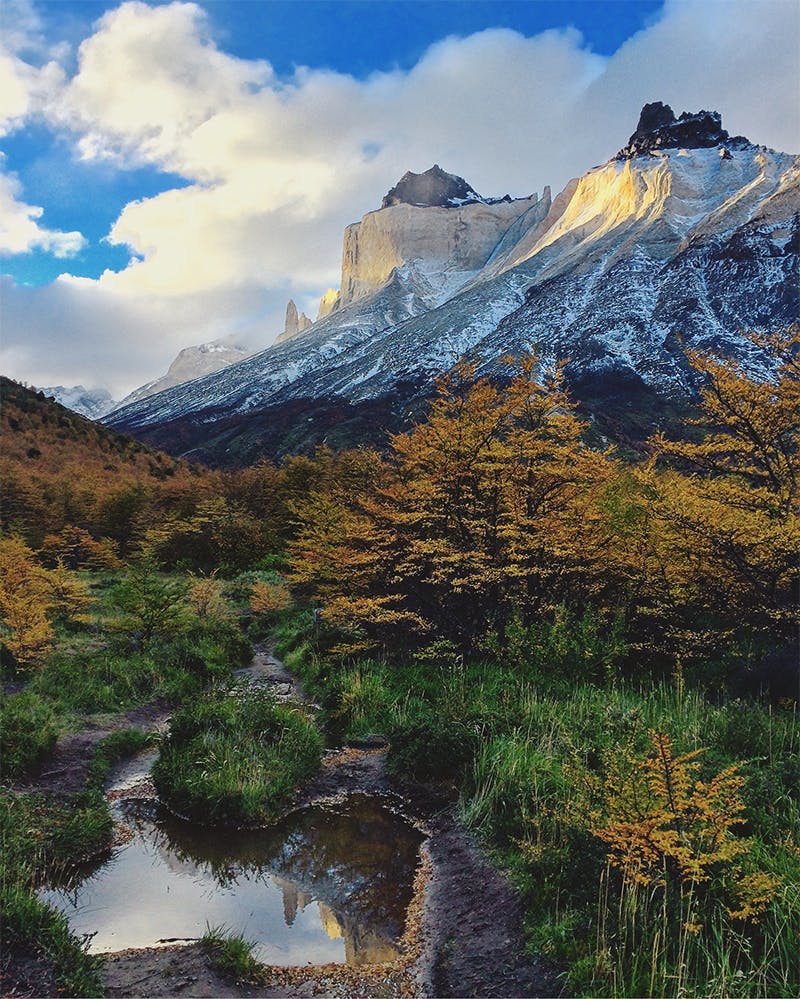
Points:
[(236, 757)]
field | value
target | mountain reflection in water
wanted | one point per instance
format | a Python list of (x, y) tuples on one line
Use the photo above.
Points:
[(326, 884)]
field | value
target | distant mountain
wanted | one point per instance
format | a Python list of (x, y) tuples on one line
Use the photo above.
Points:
[(191, 363), (93, 403), (684, 238)]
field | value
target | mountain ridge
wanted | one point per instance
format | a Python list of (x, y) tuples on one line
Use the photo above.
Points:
[(630, 262)]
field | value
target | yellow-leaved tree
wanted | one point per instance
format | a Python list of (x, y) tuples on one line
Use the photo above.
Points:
[(483, 510), (25, 603), (723, 520)]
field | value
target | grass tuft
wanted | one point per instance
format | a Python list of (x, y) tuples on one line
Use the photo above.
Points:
[(231, 954), (236, 757)]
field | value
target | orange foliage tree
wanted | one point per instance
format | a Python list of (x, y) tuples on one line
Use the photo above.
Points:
[(482, 509), (724, 522)]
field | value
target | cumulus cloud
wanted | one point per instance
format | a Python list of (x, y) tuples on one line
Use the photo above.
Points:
[(20, 231), (275, 167)]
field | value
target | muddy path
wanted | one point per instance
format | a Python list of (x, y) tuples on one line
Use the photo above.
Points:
[(463, 934), (65, 771)]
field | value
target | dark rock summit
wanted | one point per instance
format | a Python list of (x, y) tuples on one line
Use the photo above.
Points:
[(658, 128), (435, 187)]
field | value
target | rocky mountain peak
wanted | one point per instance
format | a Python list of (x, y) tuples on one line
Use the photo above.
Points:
[(296, 322), (658, 128), (434, 187)]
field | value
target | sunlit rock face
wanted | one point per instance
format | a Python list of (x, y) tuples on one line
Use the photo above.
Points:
[(447, 236), (662, 248), (328, 302)]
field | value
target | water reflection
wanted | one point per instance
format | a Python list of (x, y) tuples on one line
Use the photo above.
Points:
[(327, 884)]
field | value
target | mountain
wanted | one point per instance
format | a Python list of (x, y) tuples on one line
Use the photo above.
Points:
[(683, 239), (59, 468), (93, 403), (191, 363)]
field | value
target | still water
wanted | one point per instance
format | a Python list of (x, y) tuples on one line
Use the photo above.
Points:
[(328, 884)]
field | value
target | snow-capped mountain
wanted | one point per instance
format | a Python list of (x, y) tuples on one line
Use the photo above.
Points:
[(94, 403), (190, 363), (684, 238)]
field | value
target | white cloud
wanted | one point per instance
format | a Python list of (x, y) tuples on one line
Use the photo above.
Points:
[(76, 330), (148, 77), (27, 85), (20, 231), (275, 168)]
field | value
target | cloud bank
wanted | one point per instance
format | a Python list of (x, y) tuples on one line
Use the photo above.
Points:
[(275, 168)]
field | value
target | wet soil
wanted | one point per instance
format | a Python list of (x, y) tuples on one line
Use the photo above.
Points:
[(463, 934), (66, 769)]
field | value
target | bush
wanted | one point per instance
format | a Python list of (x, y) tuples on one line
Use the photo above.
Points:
[(236, 757), (27, 733)]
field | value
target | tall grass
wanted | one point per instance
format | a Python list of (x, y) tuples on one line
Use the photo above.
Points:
[(236, 757), (516, 738), (39, 838), (624, 939), (27, 733)]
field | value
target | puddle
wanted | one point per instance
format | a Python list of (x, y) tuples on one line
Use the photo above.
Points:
[(326, 885)]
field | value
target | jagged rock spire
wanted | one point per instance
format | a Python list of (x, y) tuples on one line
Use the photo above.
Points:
[(434, 187), (658, 128)]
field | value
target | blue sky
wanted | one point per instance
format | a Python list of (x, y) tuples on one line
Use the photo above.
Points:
[(173, 172)]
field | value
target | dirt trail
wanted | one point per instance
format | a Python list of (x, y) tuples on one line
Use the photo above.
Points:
[(66, 769)]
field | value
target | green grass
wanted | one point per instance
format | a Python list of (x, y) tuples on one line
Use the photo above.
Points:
[(614, 939), (513, 734), (31, 927), (90, 674), (93, 669), (231, 954), (236, 757), (115, 747), (27, 733), (40, 838)]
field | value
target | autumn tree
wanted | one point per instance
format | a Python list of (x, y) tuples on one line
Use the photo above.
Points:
[(206, 598), (216, 535), (77, 549), (25, 603), (724, 523), (470, 517), (68, 596)]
